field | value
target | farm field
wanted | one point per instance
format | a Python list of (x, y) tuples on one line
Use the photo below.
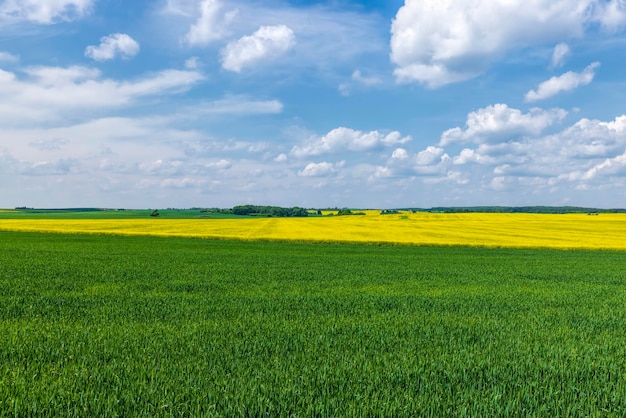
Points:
[(109, 325), (606, 231)]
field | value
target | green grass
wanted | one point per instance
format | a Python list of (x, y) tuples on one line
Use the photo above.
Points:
[(109, 214), (140, 326)]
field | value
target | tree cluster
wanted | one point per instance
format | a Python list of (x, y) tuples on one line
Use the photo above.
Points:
[(345, 211), (389, 212), (274, 211)]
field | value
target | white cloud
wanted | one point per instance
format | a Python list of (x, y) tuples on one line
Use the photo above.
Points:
[(471, 156), (588, 139), (49, 144), (53, 93), (183, 168), (610, 166), (57, 76), (561, 51), (429, 156), (192, 63), (611, 15), (268, 42), (346, 139), (344, 89), (368, 81), (239, 105), (44, 11), (500, 123), (381, 172), (323, 169), (220, 165), (436, 42), (400, 154), (429, 162), (181, 183), (10, 58), (565, 82), (328, 37), (585, 156), (357, 77), (451, 177), (212, 24), (588, 154), (117, 44)]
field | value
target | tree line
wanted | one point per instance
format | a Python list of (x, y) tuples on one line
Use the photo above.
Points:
[(274, 211)]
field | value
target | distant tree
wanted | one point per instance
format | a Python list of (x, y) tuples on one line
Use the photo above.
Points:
[(155, 213), (270, 211), (299, 212)]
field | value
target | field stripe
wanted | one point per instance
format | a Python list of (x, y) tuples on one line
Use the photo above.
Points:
[(607, 231)]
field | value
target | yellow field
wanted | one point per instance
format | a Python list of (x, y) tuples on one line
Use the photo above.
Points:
[(607, 231)]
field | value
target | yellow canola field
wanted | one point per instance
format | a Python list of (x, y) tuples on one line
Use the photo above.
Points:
[(605, 231)]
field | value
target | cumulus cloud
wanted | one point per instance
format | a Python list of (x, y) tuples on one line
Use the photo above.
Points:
[(429, 156), (436, 42), (588, 152), (323, 169), (268, 42), (400, 154), (610, 15), (610, 166), (111, 46), (565, 82), (592, 138), (472, 156), (346, 139), (427, 163), (561, 51), (44, 11), (212, 24), (499, 122)]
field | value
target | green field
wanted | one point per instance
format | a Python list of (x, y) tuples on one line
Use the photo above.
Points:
[(108, 214), (138, 326)]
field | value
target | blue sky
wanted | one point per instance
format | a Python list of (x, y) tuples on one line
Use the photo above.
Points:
[(415, 103)]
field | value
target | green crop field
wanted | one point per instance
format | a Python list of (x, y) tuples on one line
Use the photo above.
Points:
[(142, 326), (97, 214)]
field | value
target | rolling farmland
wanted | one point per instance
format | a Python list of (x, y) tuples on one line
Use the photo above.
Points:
[(520, 230), (115, 325)]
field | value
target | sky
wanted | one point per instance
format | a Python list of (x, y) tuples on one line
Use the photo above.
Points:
[(338, 103)]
